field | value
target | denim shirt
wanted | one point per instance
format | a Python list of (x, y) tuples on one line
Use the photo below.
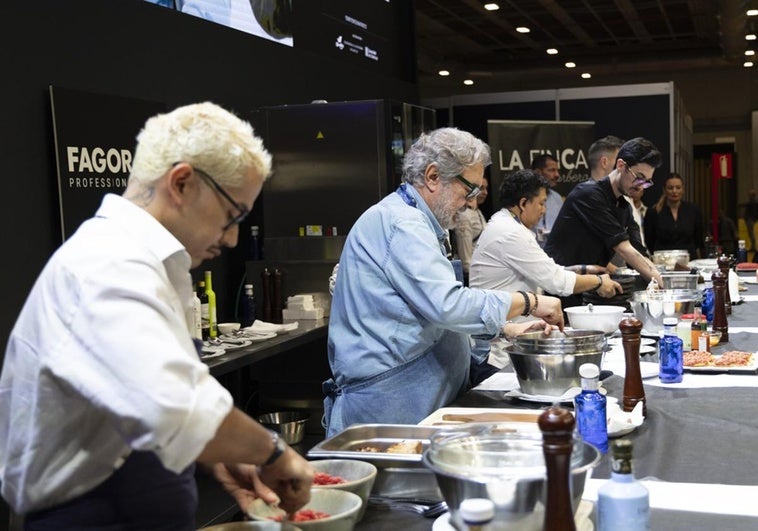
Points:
[(401, 326)]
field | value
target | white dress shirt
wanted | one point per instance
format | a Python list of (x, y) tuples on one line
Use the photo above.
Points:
[(101, 362), (508, 258)]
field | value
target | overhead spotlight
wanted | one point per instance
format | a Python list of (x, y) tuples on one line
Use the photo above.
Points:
[(752, 12), (570, 64), (552, 51), (749, 52), (468, 82), (750, 37), (586, 75), (523, 29), (444, 73), (491, 6), (747, 64)]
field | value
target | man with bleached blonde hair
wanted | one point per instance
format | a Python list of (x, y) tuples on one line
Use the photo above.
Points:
[(103, 415)]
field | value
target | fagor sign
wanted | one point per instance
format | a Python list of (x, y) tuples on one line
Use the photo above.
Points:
[(98, 160)]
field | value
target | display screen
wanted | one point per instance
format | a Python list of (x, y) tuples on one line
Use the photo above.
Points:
[(372, 34)]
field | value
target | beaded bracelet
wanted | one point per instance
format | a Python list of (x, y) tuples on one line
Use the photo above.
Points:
[(536, 303), (527, 304)]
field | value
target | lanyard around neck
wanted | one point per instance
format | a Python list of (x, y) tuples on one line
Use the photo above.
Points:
[(407, 198)]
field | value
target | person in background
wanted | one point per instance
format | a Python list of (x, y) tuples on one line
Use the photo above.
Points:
[(673, 223), (547, 166), (750, 215), (508, 258), (103, 415), (596, 221), (639, 209), (401, 327), (471, 223), (602, 156)]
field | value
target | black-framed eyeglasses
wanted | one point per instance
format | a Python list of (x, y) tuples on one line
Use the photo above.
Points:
[(474, 190), (243, 211), (639, 179)]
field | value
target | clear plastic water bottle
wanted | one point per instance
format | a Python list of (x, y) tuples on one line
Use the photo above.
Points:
[(708, 301), (670, 353), (590, 407)]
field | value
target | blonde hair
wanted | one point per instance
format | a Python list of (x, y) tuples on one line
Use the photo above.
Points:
[(205, 136)]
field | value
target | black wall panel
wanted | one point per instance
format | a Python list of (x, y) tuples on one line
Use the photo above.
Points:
[(136, 49)]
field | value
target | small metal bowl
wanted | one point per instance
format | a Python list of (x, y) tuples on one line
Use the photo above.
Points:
[(289, 424)]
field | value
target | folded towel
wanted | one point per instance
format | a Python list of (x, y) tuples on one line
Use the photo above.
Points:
[(262, 327)]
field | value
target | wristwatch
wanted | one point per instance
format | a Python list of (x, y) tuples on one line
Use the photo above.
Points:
[(279, 447)]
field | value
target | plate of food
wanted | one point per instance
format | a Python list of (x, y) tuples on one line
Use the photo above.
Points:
[(731, 361)]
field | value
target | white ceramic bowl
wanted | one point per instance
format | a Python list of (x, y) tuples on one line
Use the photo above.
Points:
[(595, 317), (359, 477), (342, 506), (228, 328)]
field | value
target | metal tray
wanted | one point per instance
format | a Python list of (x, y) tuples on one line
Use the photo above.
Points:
[(346, 443)]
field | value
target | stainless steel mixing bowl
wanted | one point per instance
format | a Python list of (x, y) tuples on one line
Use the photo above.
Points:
[(478, 461), (651, 307), (549, 365)]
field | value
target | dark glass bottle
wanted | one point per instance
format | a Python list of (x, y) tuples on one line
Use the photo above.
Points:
[(248, 306), (204, 309)]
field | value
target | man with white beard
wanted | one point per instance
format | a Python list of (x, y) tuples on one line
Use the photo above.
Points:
[(402, 328)]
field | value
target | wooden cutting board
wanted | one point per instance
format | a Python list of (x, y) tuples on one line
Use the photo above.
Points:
[(491, 417)]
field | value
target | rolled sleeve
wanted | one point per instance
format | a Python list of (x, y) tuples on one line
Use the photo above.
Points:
[(211, 406)]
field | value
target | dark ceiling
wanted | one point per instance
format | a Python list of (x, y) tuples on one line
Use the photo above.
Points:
[(603, 38)]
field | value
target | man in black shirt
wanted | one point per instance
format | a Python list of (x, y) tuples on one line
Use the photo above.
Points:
[(597, 221)]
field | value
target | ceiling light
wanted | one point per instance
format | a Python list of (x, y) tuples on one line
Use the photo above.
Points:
[(747, 64), (570, 64), (749, 52), (523, 29), (491, 7), (444, 72), (750, 37), (752, 12), (586, 75), (468, 82), (552, 51)]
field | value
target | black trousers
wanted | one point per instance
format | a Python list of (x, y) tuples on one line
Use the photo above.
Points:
[(141, 495)]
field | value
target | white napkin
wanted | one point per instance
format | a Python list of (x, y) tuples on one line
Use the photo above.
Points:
[(262, 327), (620, 420)]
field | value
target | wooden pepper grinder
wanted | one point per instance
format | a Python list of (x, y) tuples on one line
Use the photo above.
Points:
[(720, 291), (724, 263), (633, 390), (557, 426)]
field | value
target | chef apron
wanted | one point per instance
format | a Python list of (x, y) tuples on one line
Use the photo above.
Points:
[(141, 495)]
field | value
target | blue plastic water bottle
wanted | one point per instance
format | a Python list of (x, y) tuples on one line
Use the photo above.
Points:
[(590, 407), (670, 353), (708, 301)]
